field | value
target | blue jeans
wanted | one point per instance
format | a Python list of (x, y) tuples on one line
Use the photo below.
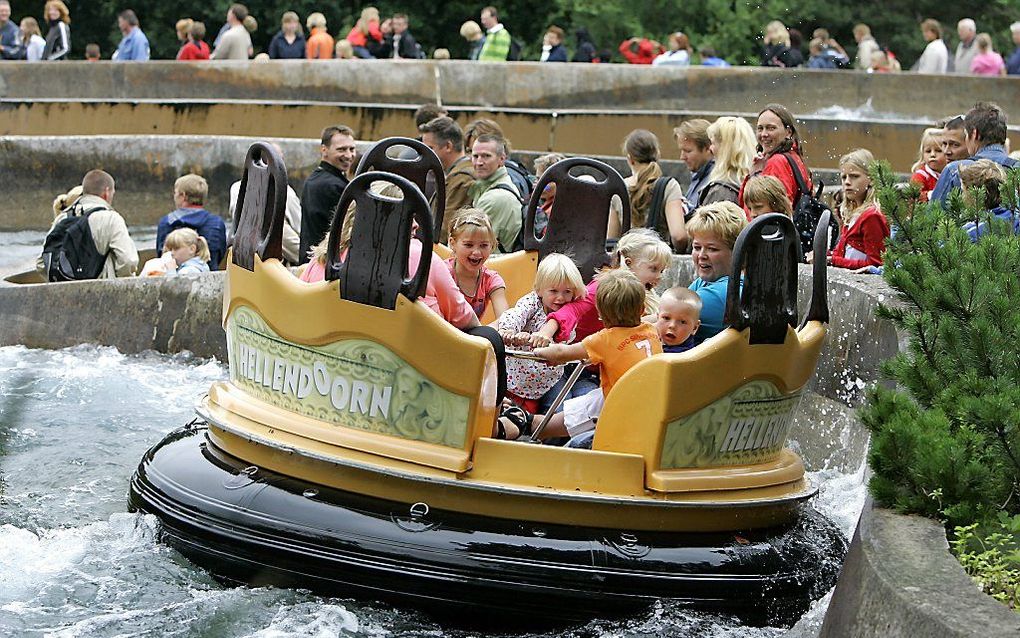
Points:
[(582, 441), (585, 384)]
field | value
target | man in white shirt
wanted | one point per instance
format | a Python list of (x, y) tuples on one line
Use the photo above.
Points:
[(935, 58), (235, 44)]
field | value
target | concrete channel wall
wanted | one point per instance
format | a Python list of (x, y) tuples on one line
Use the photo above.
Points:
[(515, 85), (36, 168), (593, 131)]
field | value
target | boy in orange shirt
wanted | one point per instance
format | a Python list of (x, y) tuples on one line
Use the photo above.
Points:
[(624, 342)]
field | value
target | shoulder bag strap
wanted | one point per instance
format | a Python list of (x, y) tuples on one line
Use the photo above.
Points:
[(655, 208), (801, 185)]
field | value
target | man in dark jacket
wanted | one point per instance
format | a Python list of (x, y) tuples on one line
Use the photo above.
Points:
[(399, 43), (190, 192), (323, 188), (9, 33)]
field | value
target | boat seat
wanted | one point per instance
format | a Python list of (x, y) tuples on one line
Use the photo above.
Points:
[(415, 162), (374, 270), (582, 184), (730, 401), (353, 362), (261, 206)]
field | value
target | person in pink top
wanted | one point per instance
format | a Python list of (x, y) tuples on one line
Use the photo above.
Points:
[(472, 240), (641, 251), (987, 61), (441, 293)]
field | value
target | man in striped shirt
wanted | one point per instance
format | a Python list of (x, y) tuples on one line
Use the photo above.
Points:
[(497, 38)]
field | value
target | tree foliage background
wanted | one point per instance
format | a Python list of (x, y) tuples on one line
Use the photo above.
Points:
[(732, 27)]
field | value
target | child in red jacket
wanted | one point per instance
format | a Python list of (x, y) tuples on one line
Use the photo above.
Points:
[(930, 162), (864, 227)]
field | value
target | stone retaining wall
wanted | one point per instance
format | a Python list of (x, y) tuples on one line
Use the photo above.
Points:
[(523, 85), (900, 581), (598, 132)]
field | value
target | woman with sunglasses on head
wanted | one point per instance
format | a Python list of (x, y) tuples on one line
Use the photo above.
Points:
[(779, 151)]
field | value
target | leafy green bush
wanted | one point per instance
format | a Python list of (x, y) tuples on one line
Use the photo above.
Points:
[(993, 559), (946, 439)]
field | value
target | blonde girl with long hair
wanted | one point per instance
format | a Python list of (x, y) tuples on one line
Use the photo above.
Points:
[(472, 241), (733, 145), (931, 159), (189, 250), (864, 228)]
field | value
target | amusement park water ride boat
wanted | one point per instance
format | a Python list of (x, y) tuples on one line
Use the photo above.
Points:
[(349, 452)]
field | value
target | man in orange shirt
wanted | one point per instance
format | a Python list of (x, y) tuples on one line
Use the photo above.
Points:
[(623, 343), (320, 43)]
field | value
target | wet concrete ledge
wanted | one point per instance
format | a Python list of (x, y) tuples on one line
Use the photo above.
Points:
[(900, 581), (523, 84), (178, 314)]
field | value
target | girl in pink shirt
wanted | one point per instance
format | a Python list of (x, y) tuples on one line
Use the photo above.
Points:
[(640, 251), (987, 61), (472, 240)]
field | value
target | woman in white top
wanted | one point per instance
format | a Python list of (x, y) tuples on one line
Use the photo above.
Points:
[(32, 40), (935, 58), (642, 150), (679, 53)]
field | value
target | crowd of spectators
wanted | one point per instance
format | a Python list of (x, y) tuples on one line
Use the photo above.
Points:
[(375, 36)]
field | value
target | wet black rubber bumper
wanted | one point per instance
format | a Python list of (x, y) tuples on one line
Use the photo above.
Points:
[(246, 524)]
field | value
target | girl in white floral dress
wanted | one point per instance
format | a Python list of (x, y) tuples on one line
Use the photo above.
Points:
[(557, 282)]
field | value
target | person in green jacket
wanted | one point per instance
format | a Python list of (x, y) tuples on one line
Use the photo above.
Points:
[(494, 192), (497, 38)]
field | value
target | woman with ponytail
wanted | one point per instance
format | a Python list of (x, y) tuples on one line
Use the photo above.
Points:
[(779, 151), (642, 151)]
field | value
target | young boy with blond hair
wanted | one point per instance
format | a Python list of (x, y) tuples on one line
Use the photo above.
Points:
[(679, 319), (624, 342)]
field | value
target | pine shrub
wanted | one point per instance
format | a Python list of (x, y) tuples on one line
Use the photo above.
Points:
[(946, 438)]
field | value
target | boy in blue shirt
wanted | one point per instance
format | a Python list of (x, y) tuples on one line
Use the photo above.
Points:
[(678, 319)]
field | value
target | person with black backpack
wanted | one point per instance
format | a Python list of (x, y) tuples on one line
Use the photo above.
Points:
[(494, 192), (90, 239), (779, 155)]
